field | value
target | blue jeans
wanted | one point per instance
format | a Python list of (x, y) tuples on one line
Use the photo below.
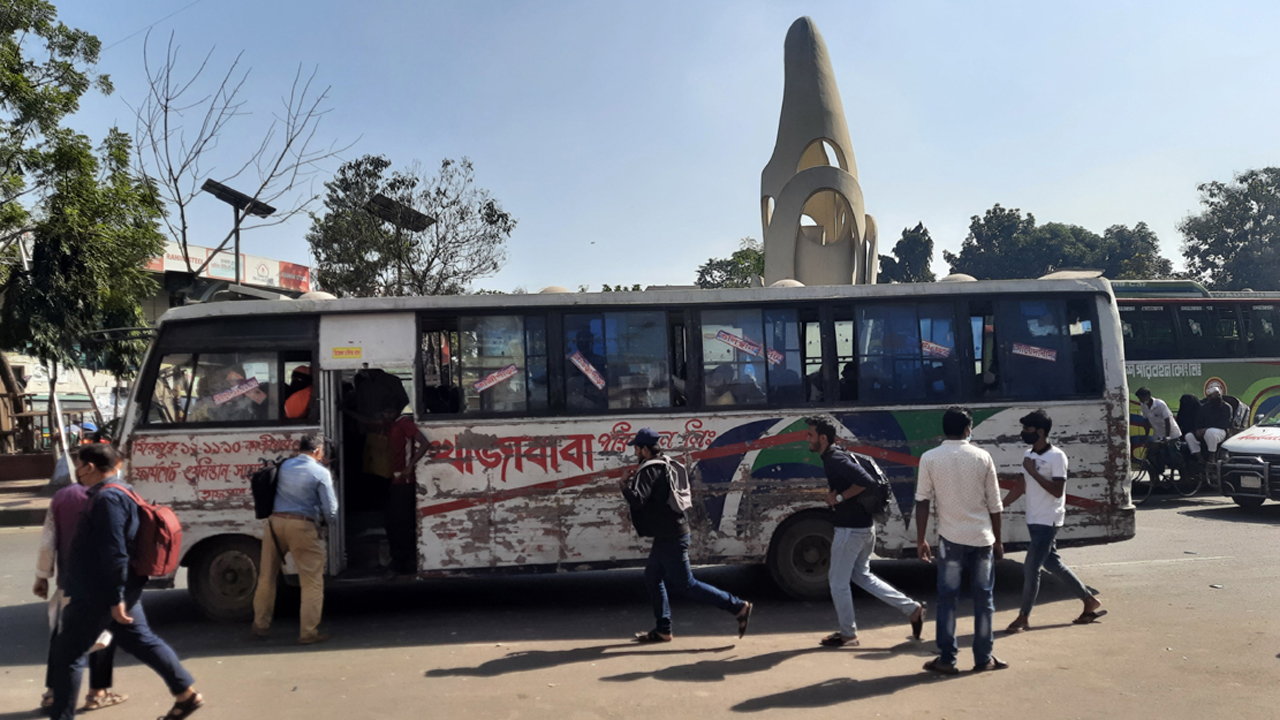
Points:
[(669, 566), (851, 560), (1043, 553), (953, 560), (82, 623)]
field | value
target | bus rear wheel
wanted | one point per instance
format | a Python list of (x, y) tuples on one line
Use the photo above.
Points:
[(800, 556), (223, 578)]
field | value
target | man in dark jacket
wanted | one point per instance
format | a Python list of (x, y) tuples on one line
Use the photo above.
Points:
[(107, 595), (647, 489)]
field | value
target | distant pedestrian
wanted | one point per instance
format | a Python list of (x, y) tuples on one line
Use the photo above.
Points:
[(304, 498), (648, 491), (55, 552), (960, 479), (107, 594), (1044, 482), (854, 539)]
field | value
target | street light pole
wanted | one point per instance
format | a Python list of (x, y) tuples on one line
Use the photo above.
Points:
[(403, 218), (241, 205)]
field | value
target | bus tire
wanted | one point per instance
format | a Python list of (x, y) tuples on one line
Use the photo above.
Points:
[(800, 556), (223, 578), (1248, 503)]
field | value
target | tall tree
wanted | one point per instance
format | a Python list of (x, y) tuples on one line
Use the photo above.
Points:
[(1234, 243), (1134, 254), (359, 255), (911, 257), (739, 270), (996, 245)]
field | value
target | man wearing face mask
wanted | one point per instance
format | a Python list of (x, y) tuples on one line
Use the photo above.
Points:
[(1044, 482)]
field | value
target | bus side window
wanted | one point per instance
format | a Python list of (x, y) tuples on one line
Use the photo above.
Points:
[(846, 361), (441, 375), (907, 352), (679, 346), (1148, 332), (495, 366), (299, 393), (986, 361), (784, 354), (171, 394), (733, 357), (1035, 349), (1260, 324), (235, 387), (1084, 347)]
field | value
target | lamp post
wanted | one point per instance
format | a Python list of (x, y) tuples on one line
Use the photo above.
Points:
[(403, 217), (238, 201)]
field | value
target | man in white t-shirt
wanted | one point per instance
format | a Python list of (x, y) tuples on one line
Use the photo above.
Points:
[(1158, 416), (1044, 482)]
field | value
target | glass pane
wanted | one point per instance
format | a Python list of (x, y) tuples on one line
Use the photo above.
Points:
[(940, 364), (299, 393), (813, 360), (1148, 332), (636, 354), (846, 361), (492, 360), (235, 387), (783, 356), (535, 333), (1035, 349), (586, 370), (169, 397), (907, 353), (1261, 321), (986, 361), (1208, 331), (1084, 346), (733, 357)]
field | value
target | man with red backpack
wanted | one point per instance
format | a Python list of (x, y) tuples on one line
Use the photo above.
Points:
[(105, 585)]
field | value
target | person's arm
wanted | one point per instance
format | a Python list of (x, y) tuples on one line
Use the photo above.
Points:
[(637, 493), (848, 480), (421, 446), (924, 495), (45, 560), (994, 507), (1019, 489), (1055, 485), (328, 499), (110, 517), (998, 547)]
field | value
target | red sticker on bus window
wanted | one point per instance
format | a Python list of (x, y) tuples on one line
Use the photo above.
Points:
[(587, 369), (1032, 351), (749, 347), (499, 376), (775, 357), (934, 350), (244, 388)]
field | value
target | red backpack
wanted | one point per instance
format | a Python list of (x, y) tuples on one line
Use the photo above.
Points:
[(159, 539)]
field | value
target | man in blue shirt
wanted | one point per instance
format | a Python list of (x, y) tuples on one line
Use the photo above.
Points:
[(304, 497)]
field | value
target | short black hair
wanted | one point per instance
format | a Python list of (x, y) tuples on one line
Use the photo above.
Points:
[(1143, 392), (824, 425), (310, 442), (1038, 419), (103, 457), (955, 421)]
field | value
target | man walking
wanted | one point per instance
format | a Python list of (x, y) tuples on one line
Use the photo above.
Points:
[(1044, 482), (854, 539), (304, 497), (647, 489), (107, 594), (960, 479)]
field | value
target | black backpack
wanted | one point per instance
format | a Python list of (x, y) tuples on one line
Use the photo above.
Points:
[(263, 486), (875, 500)]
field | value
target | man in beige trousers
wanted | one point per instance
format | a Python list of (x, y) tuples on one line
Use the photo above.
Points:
[(304, 497)]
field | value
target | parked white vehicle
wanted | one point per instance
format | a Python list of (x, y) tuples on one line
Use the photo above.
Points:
[(1247, 461)]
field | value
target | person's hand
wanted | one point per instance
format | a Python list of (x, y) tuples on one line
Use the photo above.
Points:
[(998, 550), (831, 499), (923, 551), (1029, 464), (41, 588), (120, 614)]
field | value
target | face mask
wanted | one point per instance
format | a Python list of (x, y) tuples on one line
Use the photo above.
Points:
[(1030, 438)]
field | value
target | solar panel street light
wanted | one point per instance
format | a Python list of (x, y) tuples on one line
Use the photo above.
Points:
[(239, 201), (398, 214)]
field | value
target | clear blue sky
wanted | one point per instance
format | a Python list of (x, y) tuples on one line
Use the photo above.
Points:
[(643, 127)]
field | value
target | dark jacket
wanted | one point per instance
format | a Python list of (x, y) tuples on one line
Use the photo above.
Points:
[(651, 512), (103, 545), (1188, 414), (1215, 416), (843, 472)]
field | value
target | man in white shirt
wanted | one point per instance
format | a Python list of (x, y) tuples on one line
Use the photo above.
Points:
[(1158, 416), (1044, 483), (960, 480)]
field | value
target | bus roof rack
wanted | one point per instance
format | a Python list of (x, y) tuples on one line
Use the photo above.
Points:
[(1158, 288)]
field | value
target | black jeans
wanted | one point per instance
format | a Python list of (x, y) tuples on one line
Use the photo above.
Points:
[(400, 520), (82, 622)]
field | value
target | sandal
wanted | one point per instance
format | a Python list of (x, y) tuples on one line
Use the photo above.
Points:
[(936, 665), (1016, 627), (917, 626), (1088, 617), (184, 708), (653, 636), (46, 700), (994, 663), (744, 617), (106, 699), (835, 639)]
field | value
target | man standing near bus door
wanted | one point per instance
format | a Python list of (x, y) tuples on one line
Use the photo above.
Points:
[(647, 489), (855, 538), (304, 497), (408, 447), (960, 478), (1044, 482)]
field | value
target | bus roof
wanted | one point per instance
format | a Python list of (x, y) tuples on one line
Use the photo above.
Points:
[(644, 298)]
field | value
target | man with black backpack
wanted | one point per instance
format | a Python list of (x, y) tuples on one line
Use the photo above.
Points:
[(855, 495), (657, 490)]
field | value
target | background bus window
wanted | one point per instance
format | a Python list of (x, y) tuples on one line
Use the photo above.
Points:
[(986, 361), (846, 361), (172, 391), (1208, 331), (1148, 332), (733, 357), (1084, 346), (235, 387), (907, 352), (784, 355), (617, 361), (492, 364), (1260, 323), (1035, 349)]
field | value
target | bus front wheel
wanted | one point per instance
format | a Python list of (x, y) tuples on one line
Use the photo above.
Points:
[(800, 556), (223, 578)]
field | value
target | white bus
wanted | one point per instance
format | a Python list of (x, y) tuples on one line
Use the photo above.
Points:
[(529, 400)]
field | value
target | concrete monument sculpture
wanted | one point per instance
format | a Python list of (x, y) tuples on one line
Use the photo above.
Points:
[(816, 229)]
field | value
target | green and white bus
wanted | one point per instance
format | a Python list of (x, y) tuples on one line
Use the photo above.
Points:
[(529, 400)]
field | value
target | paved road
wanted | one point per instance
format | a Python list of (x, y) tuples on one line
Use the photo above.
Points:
[(1173, 645)]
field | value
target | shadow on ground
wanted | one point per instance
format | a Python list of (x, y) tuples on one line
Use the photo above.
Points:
[(1268, 514)]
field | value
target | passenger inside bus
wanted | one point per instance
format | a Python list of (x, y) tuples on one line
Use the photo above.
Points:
[(298, 401), (224, 394)]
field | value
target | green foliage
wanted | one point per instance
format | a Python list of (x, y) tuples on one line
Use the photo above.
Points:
[(1004, 244), (620, 288), (1234, 243), (93, 222), (736, 271), (359, 255), (911, 258)]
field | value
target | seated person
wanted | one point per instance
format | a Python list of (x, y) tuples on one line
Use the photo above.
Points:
[(298, 402), (1213, 421)]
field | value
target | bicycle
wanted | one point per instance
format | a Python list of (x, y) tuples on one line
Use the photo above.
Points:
[(1169, 468)]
